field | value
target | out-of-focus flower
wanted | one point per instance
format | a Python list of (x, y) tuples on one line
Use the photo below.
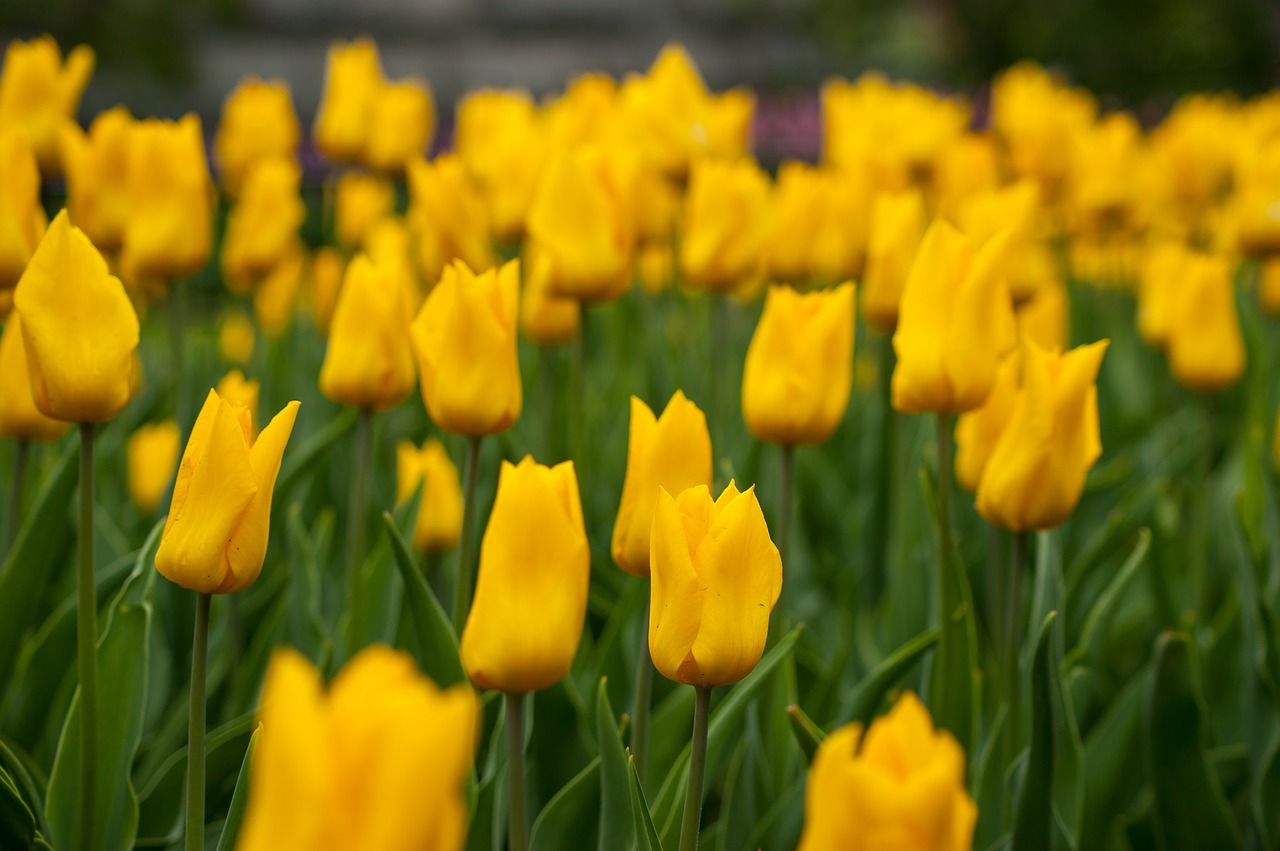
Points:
[(1204, 344), (897, 226), (978, 431), (448, 217), (325, 281), (797, 213), (240, 392), (353, 76), (1109, 179), (96, 166), (361, 201), (258, 123), (967, 167), (20, 419), (1269, 285), (839, 248), (263, 224), (500, 138), (22, 219), (725, 225), (39, 92), (276, 297), (1014, 209), (1257, 198), (152, 452), (401, 124), (585, 114), (1040, 122), (1194, 147), (655, 205), (545, 318), (235, 338), (389, 244), (1045, 319), (439, 524), (655, 267)]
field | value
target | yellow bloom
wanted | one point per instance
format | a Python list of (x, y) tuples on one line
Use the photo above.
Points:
[(1269, 285), (152, 452), (439, 524), (240, 392), (1195, 145), (839, 246), (1045, 319), (215, 538), (716, 576), (901, 788), (263, 224), (325, 281), (353, 76), (389, 245), (1040, 122), (728, 122), (79, 328), (1205, 347), (655, 267), (797, 214), (655, 205), (978, 431), (799, 368), (897, 226), (1107, 187), (97, 174), (448, 216), (1036, 471), (531, 592), (464, 338), (545, 318), (169, 231), (500, 139), (362, 201), (968, 166), (1016, 209), (235, 338), (672, 453), (368, 362), (1257, 198), (258, 123), (955, 321), (379, 762), (402, 121), (22, 219), (41, 93), (276, 297), (725, 224), (585, 114), (20, 419)]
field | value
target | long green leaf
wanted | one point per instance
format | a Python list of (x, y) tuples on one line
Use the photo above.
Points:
[(439, 654), (647, 833), (1033, 809), (239, 799), (871, 689), (617, 827)]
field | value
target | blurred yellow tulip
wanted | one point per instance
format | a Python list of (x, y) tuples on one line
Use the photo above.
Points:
[(1107, 188), (448, 217), (353, 76), (235, 338), (152, 453), (1257, 198), (1015, 209), (39, 92), (500, 138), (725, 225), (796, 216), (324, 283), (439, 523), (263, 225), (402, 122), (1040, 121), (545, 318), (655, 267), (361, 202), (22, 218), (97, 173), (897, 226), (1205, 346), (1045, 319), (20, 419), (1269, 285), (240, 392), (276, 297), (258, 123)]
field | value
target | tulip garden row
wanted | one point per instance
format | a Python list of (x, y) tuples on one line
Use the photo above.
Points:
[(361, 515)]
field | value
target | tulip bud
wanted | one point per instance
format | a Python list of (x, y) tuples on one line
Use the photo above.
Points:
[(1050, 440), (439, 524), (955, 321), (402, 121), (20, 419), (362, 201), (379, 761), (799, 368), (897, 226), (40, 93), (258, 123), (240, 392), (672, 453), (22, 219), (797, 214), (1205, 347), (263, 225), (276, 296), (716, 576), (352, 78), (464, 339), (1160, 275), (152, 452), (235, 338), (79, 327), (729, 123), (499, 137), (215, 538), (368, 362), (531, 592), (325, 281), (725, 223), (901, 787), (97, 174), (840, 239), (545, 318), (978, 431), (448, 217)]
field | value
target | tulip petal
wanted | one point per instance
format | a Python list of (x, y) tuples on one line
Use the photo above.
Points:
[(675, 603)]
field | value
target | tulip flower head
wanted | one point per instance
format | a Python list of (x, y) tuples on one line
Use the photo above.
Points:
[(152, 452), (353, 75), (235, 338), (96, 165), (545, 318), (241, 392), (20, 419), (402, 122), (41, 93), (323, 284), (22, 219), (978, 431), (501, 139), (448, 216), (361, 202), (276, 296), (1205, 346), (263, 225), (897, 226), (439, 524), (725, 225), (258, 123)]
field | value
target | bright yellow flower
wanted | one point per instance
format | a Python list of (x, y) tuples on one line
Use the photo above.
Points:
[(1109, 180), (500, 138), (40, 93), (1195, 145), (402, 123), (655, 267), (1269, 285), (239, 392), (968, 166), (531, 592), (839, 243), (362, 200), (20, 419), (1205, 346), (1040, 121), (258, 123), (725, 225), (716, 576), (545, 318), (439, 524), (152, 452), (235, 338), (324, 283), (389, 244), (215, 538), (276, 297), (448, 216), (1257, 198), (585, 114), (799, 368), (1015, 209), (353, 76), (796, 216), (263, 224), (379, 762), (79, 328), (97, 174), (22, 218), (897, 226), (1045, 319), (978, 431)]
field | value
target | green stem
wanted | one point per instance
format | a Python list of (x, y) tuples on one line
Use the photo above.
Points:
[(518, 826), (462, 587), (578, 388), (546, 378), (357, 517), (717, 340), (947, 590), (195, 727), (643, 697), (785, 509), (691, 822), (177, 342), (13, 511), (87, 647), (1012, 641)]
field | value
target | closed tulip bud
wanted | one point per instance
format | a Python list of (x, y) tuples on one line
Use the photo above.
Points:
[(531, 592), (896, 229), (797, 215), (235, 338), (439, 524), (240, 392), (545, 318), (665, 108), (725, 224), (258, 123), (324, 283), (1045, 319), (362, 201), (955, 321), (276, 297), (39, 92), (1160, 275), (169, 232), (22, 219), (20, 419), (672, 453), (729, 122), (500, 138), (263, 225), (716, 576), (799, 368), (368, 363), (464, 339), (402, 122), (900, 787), (97, 173), (840, 241), (152, 452), (79, 327), (215, 538), (1205, 347), (379, 761), (448, 216), (352, 79), (390, 246), (978, 431), (1035, 473)]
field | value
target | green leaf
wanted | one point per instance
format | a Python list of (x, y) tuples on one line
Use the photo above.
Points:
[(645, 830), (313, 449), (1033, 815), (1089, 646), (561, 822), (809, 733), (239, 799), (617, 828), (438, 653), (1113, 763), (307, 628), (17, 820), (871, 689)]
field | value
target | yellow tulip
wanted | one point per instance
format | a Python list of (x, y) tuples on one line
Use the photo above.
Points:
[(215, 538), (169, 231), (1107, 190), (258, 123), (378, 762), (235, 338), (655, 205), (353, 76), (22, 219), (361, 202), (464, 339), (389, 245), (839, 246), (902, 787), (1205, 346), (263, 224), (499, 137), (240, 392), (797, 214), (1257, 198), (1195, 147), (968, 166), (665, 108), (897, 226), (978, 431), (531, 592), (1040, 122), (585, 114), (439, 524), (725, 223), (799, 368), (324, 283), (716, 576), (79, 328), (1045, 319), (402, 122), (97, 174), (40, 93), (1269, 285), (448, 216), (954, 323), (655, 267), (20, 419), (1035, 474), (276, 297), (729, 124), (1016, 209), (152, 452), (1161, 274), (672, 453), (368, 362), (545, 318)]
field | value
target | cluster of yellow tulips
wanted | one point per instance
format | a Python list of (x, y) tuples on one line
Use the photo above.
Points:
[(952, 243)]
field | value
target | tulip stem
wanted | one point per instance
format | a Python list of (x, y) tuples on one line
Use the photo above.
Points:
[(1012, 639), (13, 511), (785, 474), (462, 587), (947, 590), (178, 357), (357, 511), (697, 765), (715, 362), (578, 387), (87, 644), (518, 826), (196, 726), (643, 697)]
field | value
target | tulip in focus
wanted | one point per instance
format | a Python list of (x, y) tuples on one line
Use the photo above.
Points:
[(531, 594), (362, 201), (215, 538), (896, 229), (439, 524), (978, 431), (96, 165), (258, 123), (20, 419), (40, 93), (152, 452), (22, 218), (725, 225), (448, 216)]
